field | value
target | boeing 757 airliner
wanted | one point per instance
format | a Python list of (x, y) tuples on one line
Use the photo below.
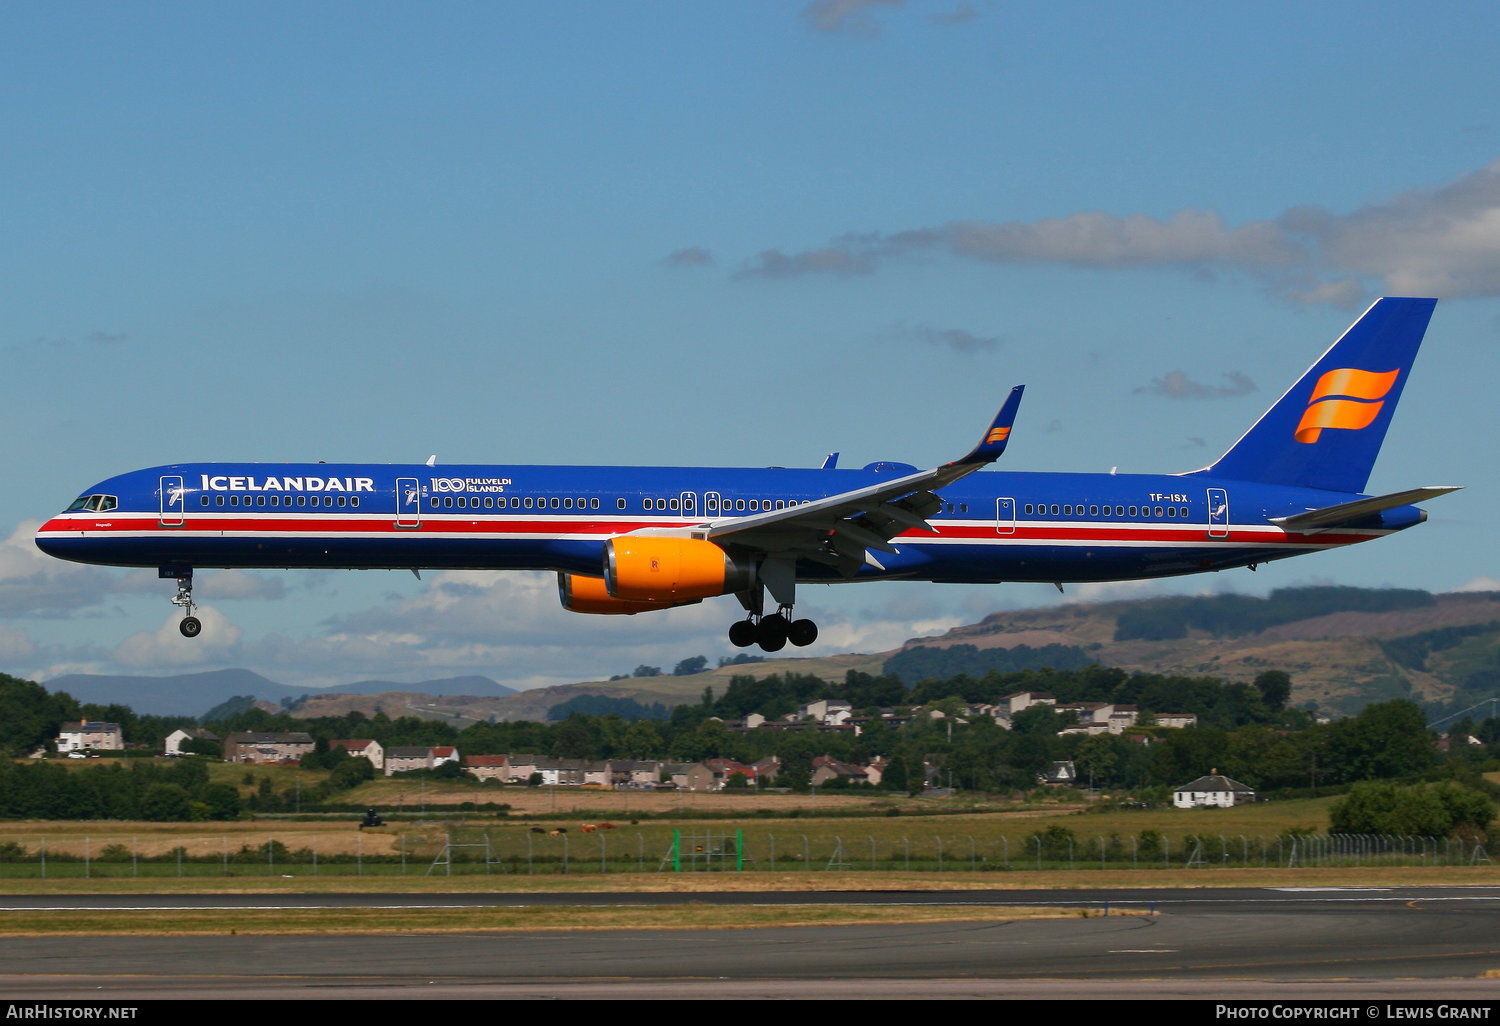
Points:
[(637, 539)]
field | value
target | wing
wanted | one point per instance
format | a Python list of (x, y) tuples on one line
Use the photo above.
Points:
[(840, 530)]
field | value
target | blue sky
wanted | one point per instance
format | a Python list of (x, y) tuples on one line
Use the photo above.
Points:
[(709, 234)]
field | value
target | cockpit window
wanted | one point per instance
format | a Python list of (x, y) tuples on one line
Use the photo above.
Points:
[(94, 503)]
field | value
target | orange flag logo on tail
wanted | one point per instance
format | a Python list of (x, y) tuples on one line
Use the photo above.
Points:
[(1345, 398), (998, 434)]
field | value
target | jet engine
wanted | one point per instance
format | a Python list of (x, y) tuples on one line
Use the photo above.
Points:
[(671, 571), (580, 594)]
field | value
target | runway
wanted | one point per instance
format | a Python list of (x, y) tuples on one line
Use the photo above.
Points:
[(1366, 943)]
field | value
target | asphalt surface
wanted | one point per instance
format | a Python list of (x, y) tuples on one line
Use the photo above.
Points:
[(1365, 944)]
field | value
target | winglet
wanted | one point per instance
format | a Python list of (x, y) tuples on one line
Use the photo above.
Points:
[(998, 434)]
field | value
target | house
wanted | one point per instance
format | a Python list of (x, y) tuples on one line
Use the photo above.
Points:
[(179, 737), (1212, 790), (258, 746), (1177, 720), (826, 768), (89, 735), (488, 767), (634, 774), (827, 711), (362, 748), (406, 758), (713, 774)]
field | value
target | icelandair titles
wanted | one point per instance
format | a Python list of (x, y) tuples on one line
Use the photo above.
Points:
[(220, 483)]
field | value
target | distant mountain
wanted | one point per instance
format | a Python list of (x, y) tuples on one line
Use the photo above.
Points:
[(1343, 647), (183, 694), (469, 685), (193, 694)]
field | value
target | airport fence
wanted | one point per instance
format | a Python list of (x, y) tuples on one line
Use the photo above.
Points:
[(469, 851)]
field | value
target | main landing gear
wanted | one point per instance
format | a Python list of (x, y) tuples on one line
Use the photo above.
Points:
[(190, 626), (772, 632)]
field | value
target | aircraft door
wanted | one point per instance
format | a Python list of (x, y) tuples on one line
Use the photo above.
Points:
[(1005, 516), (713, 505), (689, 504), (1218, 513), (408, 502), (173, 501)]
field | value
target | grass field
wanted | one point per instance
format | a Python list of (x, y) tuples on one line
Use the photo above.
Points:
[(793, 842)]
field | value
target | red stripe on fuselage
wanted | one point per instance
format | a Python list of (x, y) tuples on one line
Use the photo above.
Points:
[(1196, 535)]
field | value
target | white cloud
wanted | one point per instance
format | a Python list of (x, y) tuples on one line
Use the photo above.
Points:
[(1441, 242), (33, 583), (1481, 583), (1177, 385), (848, 16), (166, 647)]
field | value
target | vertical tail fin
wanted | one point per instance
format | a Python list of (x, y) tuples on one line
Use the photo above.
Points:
[(1326, 431)]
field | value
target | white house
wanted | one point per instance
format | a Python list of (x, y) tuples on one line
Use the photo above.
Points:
[(1214, 789)]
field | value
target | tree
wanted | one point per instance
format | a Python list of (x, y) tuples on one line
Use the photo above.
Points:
[(695, 664), (1431, 810), (1388, 739), (1275, 688)]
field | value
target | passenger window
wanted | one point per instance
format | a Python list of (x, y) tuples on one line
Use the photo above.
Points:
[(1133, 511), (672, 504), (619, 504), (1093, 511), (568, 502), (203, 500), (342, 500), (1158, 511), (218, 500), (594, 503)]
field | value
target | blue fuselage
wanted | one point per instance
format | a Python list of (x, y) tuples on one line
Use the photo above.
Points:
[(994, 526)]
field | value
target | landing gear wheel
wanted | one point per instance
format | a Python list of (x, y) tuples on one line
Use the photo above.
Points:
[(742, 633), (772, 632), (802, 633), (190, 626)]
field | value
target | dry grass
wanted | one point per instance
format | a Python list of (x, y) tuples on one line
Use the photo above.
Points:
[(488, 920)]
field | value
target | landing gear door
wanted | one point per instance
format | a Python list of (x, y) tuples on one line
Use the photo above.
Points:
[(408, 502), (1005, 516), (173, 501), (1218, 513)]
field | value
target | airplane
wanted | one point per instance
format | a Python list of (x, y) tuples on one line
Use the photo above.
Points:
[(628, 540)]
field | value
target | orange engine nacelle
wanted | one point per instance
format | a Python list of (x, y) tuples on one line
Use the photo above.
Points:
[(672, 570), (581, 594)]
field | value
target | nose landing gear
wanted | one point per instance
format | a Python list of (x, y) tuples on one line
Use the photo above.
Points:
[(190, 626)]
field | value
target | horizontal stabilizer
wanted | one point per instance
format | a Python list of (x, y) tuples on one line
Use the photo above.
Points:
[(1346, 513)]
